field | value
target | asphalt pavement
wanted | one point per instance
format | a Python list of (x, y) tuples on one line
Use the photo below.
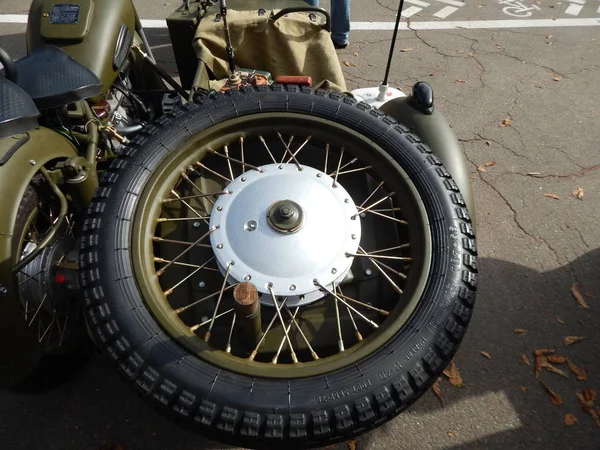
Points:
[(525, 104)]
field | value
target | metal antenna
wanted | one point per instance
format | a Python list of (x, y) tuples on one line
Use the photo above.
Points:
[(384, 85), (228, 48)]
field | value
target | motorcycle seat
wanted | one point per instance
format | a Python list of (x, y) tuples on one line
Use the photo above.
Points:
[(54, 79), (18, 113)]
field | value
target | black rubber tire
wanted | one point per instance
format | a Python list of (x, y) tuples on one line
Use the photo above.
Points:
[(254, 412), (53, 369)]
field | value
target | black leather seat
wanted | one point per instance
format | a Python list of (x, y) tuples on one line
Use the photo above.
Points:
[(18, 113), (54, 79)]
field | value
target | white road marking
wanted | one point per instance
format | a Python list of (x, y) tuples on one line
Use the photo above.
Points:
[(445, 12), (409, 12), (579, 2), (452, 2), (573, 9), (383, 26), (418, 3), (598, 11)]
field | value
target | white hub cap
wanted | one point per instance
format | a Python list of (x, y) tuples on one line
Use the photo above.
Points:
[(284, 227)]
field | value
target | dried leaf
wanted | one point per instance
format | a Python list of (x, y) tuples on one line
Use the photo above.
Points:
[(543, 352), (524, 389), (557, 359), (520, 330), (559, 320), (470, 53), (569, 340), (488, 143), (578, 193), (490, 163), (454, 377), (355, 53), (436, 389), (549, 36), (404, 50), (450, 434), (113, 446), (586, 399), (461, 81), (554, 397), (348, 63), (557, 78), (550, 368), (486, 354), (577, 294), (570, 419), (505, 122), (352, 445), (540, 359), (581, 373), (533, 174), (526, 359), (481, 169), (554, 196)]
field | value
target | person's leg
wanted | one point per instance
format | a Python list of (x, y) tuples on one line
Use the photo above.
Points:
[(340, 22)]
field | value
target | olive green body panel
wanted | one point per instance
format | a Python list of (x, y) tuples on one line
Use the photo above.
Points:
[(19, 349), (91, 43), (435, 131)]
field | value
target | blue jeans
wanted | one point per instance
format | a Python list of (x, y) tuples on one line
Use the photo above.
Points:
[(340, 19)]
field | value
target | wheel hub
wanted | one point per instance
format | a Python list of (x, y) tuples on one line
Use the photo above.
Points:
[(283, 228)]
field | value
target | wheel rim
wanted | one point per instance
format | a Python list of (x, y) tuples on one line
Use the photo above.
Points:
[(48, 285), (344, 303)]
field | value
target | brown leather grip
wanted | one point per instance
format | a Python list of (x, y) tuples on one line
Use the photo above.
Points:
[(300, 81)]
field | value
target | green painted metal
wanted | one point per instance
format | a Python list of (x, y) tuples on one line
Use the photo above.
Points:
[(93, 45), (435, 131), (19, 349)]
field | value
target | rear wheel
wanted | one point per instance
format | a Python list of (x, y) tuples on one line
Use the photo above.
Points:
[(353, 235)]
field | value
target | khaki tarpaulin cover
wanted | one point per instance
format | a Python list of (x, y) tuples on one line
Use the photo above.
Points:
[(293, 45)]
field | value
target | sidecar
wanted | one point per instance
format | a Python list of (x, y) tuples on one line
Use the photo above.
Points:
[(289, 40)]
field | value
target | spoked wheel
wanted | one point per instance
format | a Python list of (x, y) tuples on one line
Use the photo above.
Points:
[(48, 285), (279, 266)]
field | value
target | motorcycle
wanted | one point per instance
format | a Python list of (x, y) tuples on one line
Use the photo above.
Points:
[(272, 263)]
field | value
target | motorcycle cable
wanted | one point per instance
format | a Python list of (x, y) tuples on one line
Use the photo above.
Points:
[(229, 47), (384, 84)]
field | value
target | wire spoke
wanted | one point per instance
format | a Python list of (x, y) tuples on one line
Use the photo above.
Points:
[(48, 329), (207, 335), (198, 215), (264, 335), (218, 316), (394, 285), (30, 277), (337, 172), (228, 348), (242, 153), (326, 157), (174, 260), (358, 313), (62, 333), (339, 323), (403, 222), (368, 255), (372, 205), (229, 159), (379, 186), (287, 336), (38, 308), (199, 164), (299, 148), (389, 249), (172, 241), (383, 312), (181, 219), (192, 197), (349, 163), (287, 149), (312, 351), (203, 299), (226, 150), (391, 269), (268, 149), (192, 184), (198, 269), (282, 343)]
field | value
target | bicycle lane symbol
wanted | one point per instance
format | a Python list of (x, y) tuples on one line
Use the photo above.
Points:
[(516, 8)]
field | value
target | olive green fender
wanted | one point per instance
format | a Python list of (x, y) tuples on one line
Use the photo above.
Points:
[(434, 130), (21, 156)]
